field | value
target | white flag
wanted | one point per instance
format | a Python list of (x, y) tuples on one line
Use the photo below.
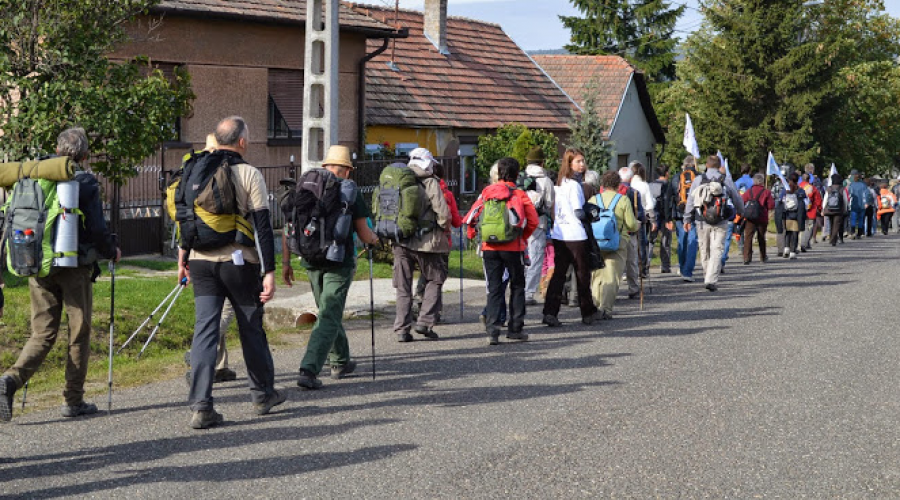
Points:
[(833, 172), (724, 164), (690, 141), (772, 168)]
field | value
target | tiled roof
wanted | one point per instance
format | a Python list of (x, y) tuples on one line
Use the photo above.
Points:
[(280, 11), (486, 81), (610, 75)]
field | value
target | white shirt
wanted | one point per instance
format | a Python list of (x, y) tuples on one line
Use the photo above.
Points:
[(647, 199), (566, 225)]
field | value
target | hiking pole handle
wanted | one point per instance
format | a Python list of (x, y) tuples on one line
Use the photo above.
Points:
[(149, 318), (183, 285)]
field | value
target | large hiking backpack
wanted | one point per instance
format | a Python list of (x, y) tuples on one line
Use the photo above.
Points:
[(205, 203), (502, 218), (834, 201), (753, 208), (685, 180), (605, 227), (396, 203), (318, 215), (714, 209), (32, 214)]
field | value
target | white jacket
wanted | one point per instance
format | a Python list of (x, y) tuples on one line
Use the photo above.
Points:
[(647, 199), (566, 225), (544, 195)]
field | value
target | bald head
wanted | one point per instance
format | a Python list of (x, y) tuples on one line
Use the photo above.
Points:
[(232, 133)]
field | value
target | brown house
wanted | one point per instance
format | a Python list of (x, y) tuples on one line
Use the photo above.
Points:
[(246, 57)]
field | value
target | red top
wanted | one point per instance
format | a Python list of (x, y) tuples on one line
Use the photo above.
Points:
[(815, 200), (764, 198), (531, 219)]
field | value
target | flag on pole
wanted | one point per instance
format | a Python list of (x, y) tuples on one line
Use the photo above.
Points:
[(832, 172), (724, 164), (690, 141), (772, 168)]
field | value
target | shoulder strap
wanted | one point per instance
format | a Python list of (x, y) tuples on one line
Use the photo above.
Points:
[(615, 201), (598, 200)]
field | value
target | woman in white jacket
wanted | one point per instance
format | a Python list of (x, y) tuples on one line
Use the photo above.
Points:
[(570, 240)]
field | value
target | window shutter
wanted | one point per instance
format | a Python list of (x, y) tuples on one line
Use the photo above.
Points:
[(286, 90)]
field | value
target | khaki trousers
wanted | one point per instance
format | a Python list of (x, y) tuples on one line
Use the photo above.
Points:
[(605, 282), (712, 245)]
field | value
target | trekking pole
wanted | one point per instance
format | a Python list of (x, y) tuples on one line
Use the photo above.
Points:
[(150, 318), (372, 308), (460, 274), (112, 329), (183, 285), (24, 394)]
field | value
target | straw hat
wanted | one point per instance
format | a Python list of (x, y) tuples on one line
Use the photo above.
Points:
[(338, 155)]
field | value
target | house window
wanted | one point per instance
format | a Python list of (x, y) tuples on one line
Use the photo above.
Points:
[(168, 71), (623, 161), (285, 105), (467, 172), (405, 148)]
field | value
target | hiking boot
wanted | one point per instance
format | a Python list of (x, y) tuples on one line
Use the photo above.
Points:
[(634, 295), (551, 321), (7, 391), (79, 409), (589, 320), (340, 371), (224, 375), (711, 287), (427, 332), (404, 337), (786, 253), (803, 250), (271, 401), (493, 339), (665, 271), (517, 336), (764, 260), (530, 302), (603, 316), (206, 419), (688, 279), (308, 382)]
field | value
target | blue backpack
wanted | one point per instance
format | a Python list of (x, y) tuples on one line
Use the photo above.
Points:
[(605, 226)]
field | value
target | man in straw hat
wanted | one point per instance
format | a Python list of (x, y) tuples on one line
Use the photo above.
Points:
[(330, 284)]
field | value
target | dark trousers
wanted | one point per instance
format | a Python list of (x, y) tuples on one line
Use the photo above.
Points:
[(886, 221), (566, 253), (214, 282), (870, 221), (837, 228), (757, 229), (665, 246), (495, 263), (791, 240)]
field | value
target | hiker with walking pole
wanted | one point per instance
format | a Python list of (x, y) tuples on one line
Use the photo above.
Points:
[(63, 280), (331, 268)]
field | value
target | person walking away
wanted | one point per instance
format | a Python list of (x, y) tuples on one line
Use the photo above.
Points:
[(423, 250), (757, 204), (711, 203), (662, 194), (886, 202), (686, 246), (227, 264), (895, 189), (794, 215), (605, 282), (330, 283), (777, 191), (632, 263), (745, 182), (860, 200), (503, 244), (812, 212), (835, 206), (648, 203), (871, 209), (69, 288), (539, 188), (570, 241)]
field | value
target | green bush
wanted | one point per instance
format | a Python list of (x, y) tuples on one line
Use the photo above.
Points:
[(515, 140)]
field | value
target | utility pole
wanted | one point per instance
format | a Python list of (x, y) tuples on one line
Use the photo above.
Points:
[(320, 85)]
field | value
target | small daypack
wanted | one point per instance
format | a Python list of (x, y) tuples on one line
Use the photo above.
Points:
[(396, 202), (791, 202), (685, 180), (834, 201), (318, 216), (502, 218), (205, 202), (886, 202), (753, 208), (605, 227)]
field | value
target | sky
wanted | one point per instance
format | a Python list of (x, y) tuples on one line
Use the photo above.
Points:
[(535, 25)]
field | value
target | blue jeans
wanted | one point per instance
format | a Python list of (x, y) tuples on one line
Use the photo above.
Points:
[(728, 234), (857, 219), (687, 248)]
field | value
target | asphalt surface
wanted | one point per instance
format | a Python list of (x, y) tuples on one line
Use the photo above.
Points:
[(784, 383)]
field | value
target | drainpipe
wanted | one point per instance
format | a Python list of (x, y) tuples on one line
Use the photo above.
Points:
[(361, 104)]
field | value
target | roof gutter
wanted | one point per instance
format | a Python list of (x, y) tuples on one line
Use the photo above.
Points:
[(361, 86)]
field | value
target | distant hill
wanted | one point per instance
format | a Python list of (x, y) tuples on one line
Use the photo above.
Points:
[(547, 52)]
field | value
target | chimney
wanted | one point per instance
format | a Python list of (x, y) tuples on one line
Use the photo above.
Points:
[(436, 24)]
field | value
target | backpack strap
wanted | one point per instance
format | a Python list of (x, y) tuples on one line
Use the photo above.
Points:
[(615, 201)]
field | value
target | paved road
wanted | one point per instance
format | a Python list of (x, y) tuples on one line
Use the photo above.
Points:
[(782, 384)]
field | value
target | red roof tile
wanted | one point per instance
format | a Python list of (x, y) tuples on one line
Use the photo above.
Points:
[(486, 81), (282, 11)]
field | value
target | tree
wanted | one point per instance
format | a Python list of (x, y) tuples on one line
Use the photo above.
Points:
[(769, 75), (638, 30), (587, 132), (515, 140), (55, 73)]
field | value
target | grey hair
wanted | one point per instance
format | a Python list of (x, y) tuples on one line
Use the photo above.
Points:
[(592, 178), (73, 142), (231, 130), (495, 172), (759, 179)]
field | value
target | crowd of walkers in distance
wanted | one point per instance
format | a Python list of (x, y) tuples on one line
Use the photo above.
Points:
[(573, 237)]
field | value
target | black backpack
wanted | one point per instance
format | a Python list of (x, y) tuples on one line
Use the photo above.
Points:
[(753, 208), (834, 201), (318, 216)]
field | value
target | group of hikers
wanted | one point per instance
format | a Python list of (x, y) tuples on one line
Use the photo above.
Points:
[(571, 237)]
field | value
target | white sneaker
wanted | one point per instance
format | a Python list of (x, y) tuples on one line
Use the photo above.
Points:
[(689, 279), (786, 252), (792, 255)]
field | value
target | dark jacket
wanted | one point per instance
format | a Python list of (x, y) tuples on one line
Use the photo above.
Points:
[(663, 192), (94, 238)]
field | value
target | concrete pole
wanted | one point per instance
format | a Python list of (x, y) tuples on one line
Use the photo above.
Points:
[(320, 85)]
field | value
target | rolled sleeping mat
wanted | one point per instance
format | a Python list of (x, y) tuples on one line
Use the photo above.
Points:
[(59, 169), (67, 225)]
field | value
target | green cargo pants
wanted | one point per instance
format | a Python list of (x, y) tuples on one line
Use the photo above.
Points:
[(328, 338), (69, 288)]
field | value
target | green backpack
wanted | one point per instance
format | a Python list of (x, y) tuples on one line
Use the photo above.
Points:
[(32, 213), (502, 217), (396, 203)]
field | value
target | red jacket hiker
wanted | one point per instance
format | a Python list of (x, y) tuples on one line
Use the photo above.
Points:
[(500, 190), (764, 197)]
